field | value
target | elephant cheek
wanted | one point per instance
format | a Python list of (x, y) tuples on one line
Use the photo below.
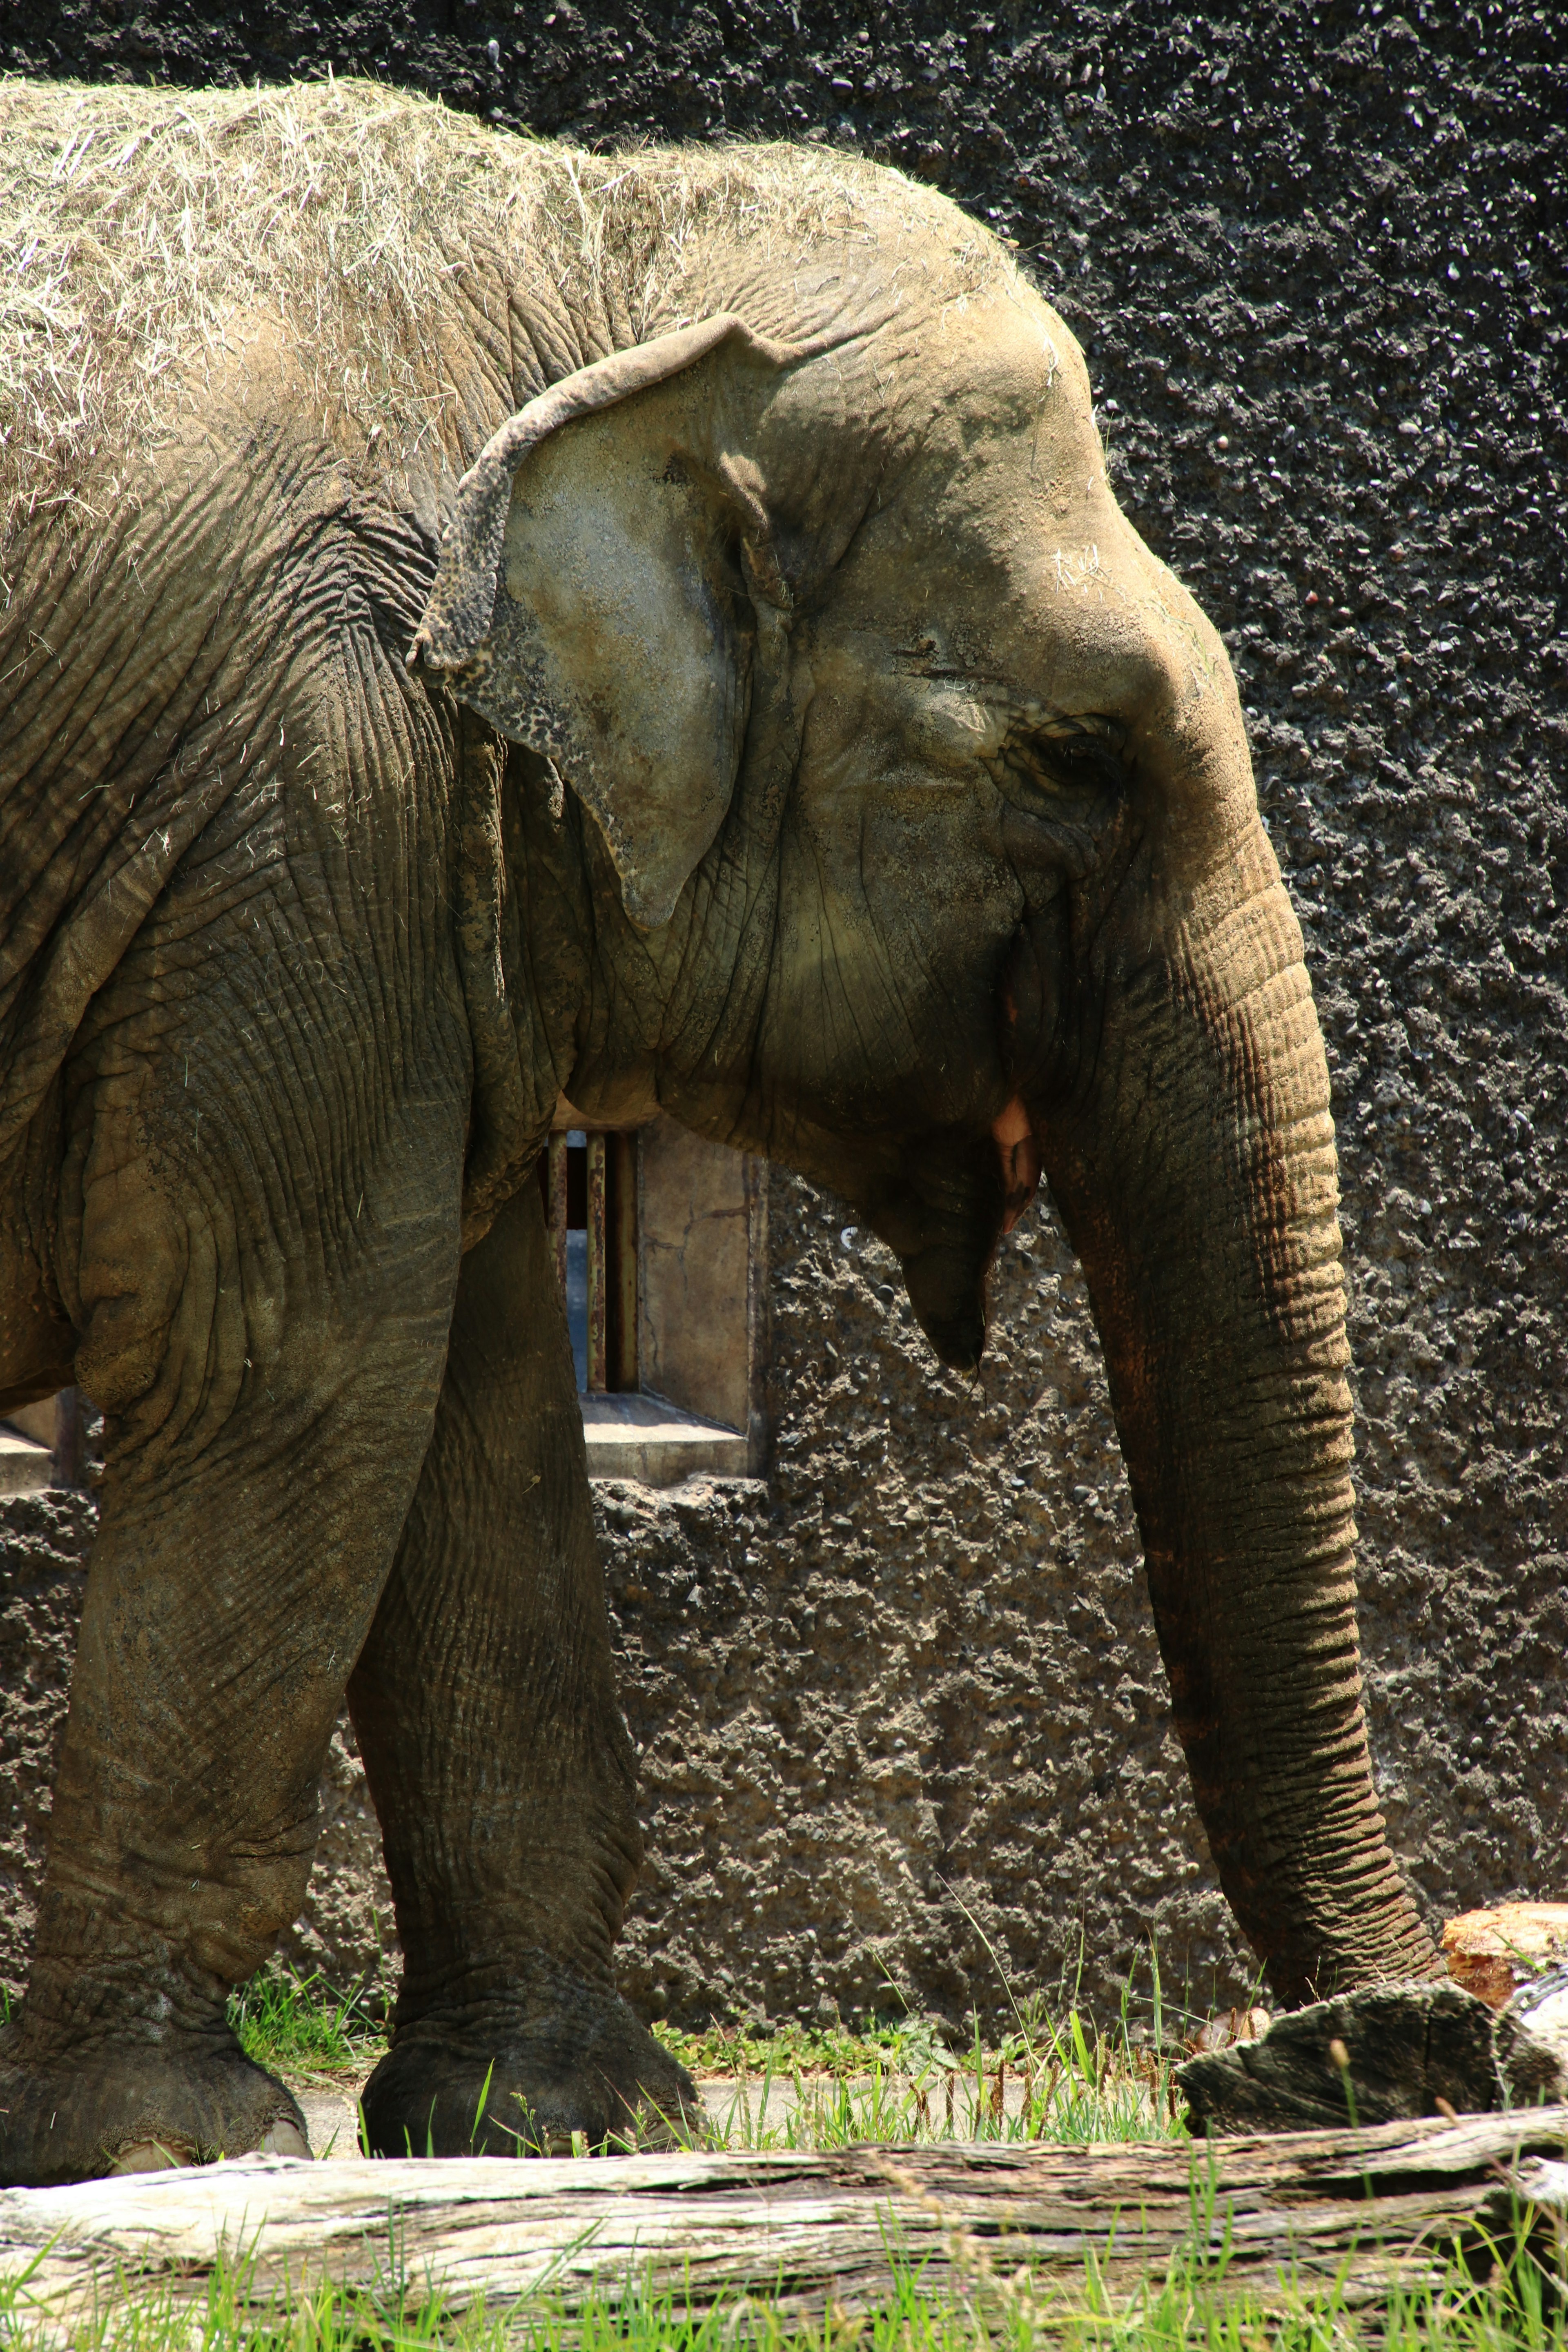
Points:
[(1033, 1038), (1019, 1155)]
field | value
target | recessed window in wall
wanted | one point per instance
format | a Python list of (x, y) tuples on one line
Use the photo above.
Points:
[(660, 1250), (590, 1200)]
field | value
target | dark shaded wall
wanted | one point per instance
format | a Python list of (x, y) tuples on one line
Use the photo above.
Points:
[(907, 1687)]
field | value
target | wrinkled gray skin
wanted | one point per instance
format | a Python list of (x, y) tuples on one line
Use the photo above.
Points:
[(876, 802)]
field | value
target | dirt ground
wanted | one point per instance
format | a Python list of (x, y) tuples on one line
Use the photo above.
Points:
[(739, 2114), (1315, 256)]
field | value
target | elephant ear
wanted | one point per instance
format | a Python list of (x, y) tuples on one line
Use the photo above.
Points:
[(591, 596)]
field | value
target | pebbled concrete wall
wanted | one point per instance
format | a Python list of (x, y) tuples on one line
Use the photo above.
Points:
[(42, 1543), (904, 1699), (1316, 261)]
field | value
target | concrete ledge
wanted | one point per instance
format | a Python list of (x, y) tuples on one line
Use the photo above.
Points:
[(25, 1467), (644, 1437)]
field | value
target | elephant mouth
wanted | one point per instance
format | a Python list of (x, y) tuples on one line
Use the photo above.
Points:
[(1013, 1132), (942, 1215)]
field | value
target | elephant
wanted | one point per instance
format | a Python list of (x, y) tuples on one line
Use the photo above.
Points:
[(491, 623)]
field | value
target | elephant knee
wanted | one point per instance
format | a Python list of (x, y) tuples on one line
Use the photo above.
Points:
[(132, 1274), (153, 1297)]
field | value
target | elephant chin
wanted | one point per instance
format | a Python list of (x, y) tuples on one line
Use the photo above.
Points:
[(947, 1292)]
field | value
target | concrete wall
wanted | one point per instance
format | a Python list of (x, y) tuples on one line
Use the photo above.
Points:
[(43, 1541), (1330, 379), (912, 1677)]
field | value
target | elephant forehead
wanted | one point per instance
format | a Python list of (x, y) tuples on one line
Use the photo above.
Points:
[(979, 617), (960, 632), (1011, 553), (1004, 380)]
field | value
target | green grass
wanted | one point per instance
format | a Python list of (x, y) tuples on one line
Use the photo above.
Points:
[(1066, 2080), (1058, 2077), (299, 2025), (789, 2048)]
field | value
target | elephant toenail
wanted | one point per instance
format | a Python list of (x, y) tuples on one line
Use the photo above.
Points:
[(150, 2155), (283, 2138)]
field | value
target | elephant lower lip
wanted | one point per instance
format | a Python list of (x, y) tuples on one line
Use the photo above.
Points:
[(1020, 1157)]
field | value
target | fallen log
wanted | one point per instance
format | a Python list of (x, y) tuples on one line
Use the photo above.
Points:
[(1270, 2217)]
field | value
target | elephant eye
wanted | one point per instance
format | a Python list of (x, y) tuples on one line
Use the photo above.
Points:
[(1078, 760)]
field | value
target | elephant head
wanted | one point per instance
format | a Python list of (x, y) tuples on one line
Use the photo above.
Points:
[(931, 858)]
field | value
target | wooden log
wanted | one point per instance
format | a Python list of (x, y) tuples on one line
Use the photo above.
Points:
[(1394, 2049), (71, 1440), (1270, 2217), (1383, 2053), (623, 1255)]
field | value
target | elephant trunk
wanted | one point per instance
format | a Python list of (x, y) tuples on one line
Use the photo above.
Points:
[(1194, 1164)]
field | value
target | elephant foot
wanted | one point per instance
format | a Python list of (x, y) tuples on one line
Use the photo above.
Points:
[(136, 2105), (508, 2076)]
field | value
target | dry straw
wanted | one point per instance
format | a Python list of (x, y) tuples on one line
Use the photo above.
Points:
[(148, 236)]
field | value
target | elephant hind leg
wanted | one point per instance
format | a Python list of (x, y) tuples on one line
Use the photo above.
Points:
[(37, 1344), (486, 1716)]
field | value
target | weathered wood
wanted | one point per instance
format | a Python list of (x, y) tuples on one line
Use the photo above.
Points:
[(1394, 2050), (623, 1249), (70, 1439), (1268, 2215), (598, 1269), (1383, 2053)]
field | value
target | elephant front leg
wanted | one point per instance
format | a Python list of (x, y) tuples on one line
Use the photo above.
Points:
[(486, 1709)]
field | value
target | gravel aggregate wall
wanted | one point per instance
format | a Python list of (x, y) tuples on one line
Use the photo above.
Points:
[(901, 1700)]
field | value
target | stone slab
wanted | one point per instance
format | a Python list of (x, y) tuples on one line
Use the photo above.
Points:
[(643, 1437), (25, 1467)]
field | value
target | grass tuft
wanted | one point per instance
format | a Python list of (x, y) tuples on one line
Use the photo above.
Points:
[(297, 2024), (1062, 2077), (1065, 2080)]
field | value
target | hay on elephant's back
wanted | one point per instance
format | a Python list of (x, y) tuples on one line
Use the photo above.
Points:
[(141, 229)]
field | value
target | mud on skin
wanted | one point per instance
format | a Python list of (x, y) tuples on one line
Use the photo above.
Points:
[(1294, 257)]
